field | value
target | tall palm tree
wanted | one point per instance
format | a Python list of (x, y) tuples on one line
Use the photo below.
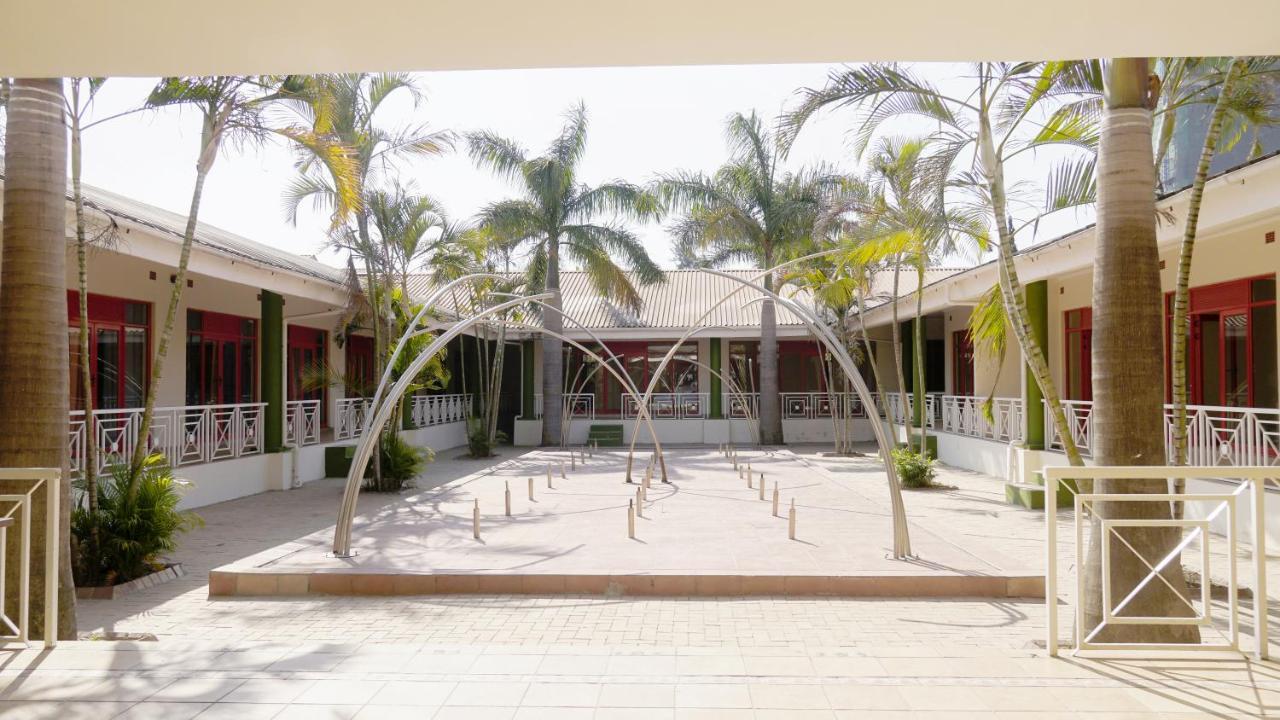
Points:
[(750, 210), (985, 127), (34, 365), (232, 110), (1128, 405), (558, 213)]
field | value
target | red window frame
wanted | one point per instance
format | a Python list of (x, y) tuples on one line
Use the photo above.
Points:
[(1224, 299), (359, 364), (109, 313), (302, 340), (962, 377), (218, 332), (1083, 334)]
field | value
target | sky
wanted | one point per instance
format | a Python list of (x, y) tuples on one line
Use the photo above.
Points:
[(643, 122)]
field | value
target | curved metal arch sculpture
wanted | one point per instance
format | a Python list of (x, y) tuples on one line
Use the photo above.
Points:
[(381, 413), (901, 534)]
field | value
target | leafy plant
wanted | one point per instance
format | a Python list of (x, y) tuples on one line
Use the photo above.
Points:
[(914, 469), (133, 529), (401, 462), (479, 442)]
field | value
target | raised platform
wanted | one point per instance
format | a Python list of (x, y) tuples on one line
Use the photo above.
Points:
[(705, 533)]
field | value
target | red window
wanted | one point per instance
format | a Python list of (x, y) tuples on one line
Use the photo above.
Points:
[(640, 361), (222, 358), (962, 362), (1232, 345), (308, 360), (360, 367), (119, 350), (1078, 345)]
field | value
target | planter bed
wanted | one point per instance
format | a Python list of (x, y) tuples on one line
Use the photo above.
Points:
[(111, 592)]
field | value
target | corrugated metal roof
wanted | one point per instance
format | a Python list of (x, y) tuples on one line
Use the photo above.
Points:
[(172, 226), (681, 300)]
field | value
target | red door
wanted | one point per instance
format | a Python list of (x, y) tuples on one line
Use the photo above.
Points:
[(962, 367)]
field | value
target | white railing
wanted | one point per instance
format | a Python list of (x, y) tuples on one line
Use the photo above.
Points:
[(16, 507), (302, 422), (580, 405), (739, 405), (1248, 499), (669, 406), (962, 414), (1216, 435), (812, 405), (185, 435), (932, 408), (430, 410), (350, 418)]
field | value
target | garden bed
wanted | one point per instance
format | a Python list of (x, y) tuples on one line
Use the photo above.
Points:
[(111, 592)]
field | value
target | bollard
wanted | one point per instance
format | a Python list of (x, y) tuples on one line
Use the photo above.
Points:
[(775, 497), (475, 520), (640, 502), (761, 479), (562, 475), (749, 485), (531, 488), (507, 497), (631, 519), (734, 457), (644, 493), (573, 461), (791, 521)]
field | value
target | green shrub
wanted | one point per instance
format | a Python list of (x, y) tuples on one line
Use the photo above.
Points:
[(478, 445), (401, 462), (914, 470), (131, 533)]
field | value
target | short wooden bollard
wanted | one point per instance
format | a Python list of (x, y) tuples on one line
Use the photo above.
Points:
[(475, 519), (562, 475), (791, 520), (749, 485), (631, 519), (761, 479), (775, 497), (573, 460), (735, 463), (506, 496), (640, 501), (530, 488)]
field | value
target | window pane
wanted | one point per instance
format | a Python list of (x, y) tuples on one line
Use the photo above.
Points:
[(193, 369), (229, 364), (77, 376), (1263, 327), (1235, 359), (1075, 365), (195, 320), (107, 375), (1210, 362), (1073, 319), (248, 381), (1264, 289), (135, 366), (136, 313)]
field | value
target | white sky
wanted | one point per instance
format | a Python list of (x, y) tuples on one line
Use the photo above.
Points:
[(643, 121)]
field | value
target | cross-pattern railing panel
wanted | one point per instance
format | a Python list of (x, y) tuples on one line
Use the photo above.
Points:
[(813, 405), (669, 406), (185, 435), (302, 422), (579, 406)]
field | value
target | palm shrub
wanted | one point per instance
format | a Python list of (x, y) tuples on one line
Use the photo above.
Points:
[(401, 462), (914, 469), (134, 529)]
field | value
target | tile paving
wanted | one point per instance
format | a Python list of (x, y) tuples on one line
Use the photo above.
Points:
[(477, 656)]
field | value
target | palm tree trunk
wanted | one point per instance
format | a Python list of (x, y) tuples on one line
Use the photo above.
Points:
[(372, 280), (770, 407), (904, 406), (1182, 289), (875, 370), (1128, 402), (1015, 301), (89, 471), (499, 355), (34, 367), (918, 345), (211, 139), (552, 350)]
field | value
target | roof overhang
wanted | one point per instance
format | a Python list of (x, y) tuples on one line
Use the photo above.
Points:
[(163, 37)]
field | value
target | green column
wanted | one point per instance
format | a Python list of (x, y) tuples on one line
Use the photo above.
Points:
[(272, 369), (1037, 294), (527, 381), (716, 412)]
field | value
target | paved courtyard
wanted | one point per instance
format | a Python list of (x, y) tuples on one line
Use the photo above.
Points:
[(504, 656)]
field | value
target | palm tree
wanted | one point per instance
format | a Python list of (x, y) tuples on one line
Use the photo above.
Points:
[(558, 213), (750, 210), (231, 110), (1128, 406), (34, 365), (988, 124)]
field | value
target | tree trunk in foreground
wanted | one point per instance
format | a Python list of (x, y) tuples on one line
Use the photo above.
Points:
[(34, 368), (1128, 400), (770, 401), (552, 351)]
